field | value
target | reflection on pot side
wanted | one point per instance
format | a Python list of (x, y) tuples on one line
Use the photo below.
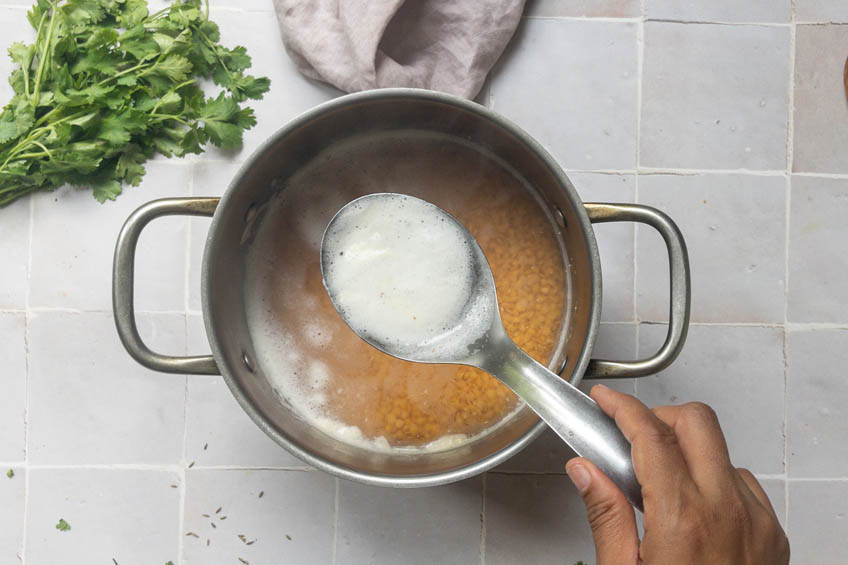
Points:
[(332, 377)]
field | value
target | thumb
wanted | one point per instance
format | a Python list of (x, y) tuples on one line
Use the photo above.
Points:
[(611, 517)]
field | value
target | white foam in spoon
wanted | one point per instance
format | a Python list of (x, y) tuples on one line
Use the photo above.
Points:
[(400, 272)]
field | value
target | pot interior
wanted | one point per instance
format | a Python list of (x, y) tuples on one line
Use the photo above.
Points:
[(265, 237)]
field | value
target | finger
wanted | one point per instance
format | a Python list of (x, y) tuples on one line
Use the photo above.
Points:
[(756, 489), (657, 460), (702, 442), (611, 516)]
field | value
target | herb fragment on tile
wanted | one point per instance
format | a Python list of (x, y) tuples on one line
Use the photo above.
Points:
[(63, 526), (205, 446), (169, 563), (190, 465), (261, 493), (245, 561), (288, 537), (115, 561), (192, 534), (213, 525), (10, 473), (218, 511)]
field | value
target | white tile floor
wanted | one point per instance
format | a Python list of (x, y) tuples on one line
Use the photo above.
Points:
[(728, 115)]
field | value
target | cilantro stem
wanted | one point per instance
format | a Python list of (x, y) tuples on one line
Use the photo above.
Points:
[(45, 55), (41, 120), (158, 14), (11, 189), (15, 151), (126, 71), (15, 195), (28, 69), (59, 121), (30, 140), (30, 155), (170, 117), (43, 149)]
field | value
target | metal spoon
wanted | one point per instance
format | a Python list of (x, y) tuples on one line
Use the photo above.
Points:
[(575, 417)]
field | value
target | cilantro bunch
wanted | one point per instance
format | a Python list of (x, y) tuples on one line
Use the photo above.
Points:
[(107, 84)]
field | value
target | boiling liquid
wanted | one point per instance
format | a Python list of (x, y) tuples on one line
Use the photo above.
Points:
[(321, 368)]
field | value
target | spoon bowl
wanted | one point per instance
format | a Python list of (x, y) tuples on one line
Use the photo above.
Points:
[(470, 333)]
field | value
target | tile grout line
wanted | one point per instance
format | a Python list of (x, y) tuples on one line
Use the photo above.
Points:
[(720, 23), (694, 172), (181, 470), (22, 554), (771, 476), (640, 72), (187, 270), (159, 468), (790, 161), (26, 436), (790, 326), (636, 19), (176, 469), (335, 520), (767, 476), (816, 480), (27, 364), (483, 483), (183, 474), (180, 548), (837, 176)]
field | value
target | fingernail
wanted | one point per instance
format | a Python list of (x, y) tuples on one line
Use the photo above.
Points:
[(600, 386), (580, 477)]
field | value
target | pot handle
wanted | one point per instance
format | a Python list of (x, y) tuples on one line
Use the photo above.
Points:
[(123, 279), (680, 292)]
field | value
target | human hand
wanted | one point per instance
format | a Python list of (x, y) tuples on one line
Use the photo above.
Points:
[(699, 509)]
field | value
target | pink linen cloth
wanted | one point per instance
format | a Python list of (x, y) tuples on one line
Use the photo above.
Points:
[(445, 45)]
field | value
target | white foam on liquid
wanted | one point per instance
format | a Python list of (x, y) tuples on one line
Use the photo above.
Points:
[(400, 272)]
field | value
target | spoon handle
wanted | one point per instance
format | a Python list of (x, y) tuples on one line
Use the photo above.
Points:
[(575, 417)]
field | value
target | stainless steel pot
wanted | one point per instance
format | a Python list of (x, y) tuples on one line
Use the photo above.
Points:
[(236, 214)]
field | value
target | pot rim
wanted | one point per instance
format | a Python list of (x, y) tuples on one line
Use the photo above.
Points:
[(481, 465)]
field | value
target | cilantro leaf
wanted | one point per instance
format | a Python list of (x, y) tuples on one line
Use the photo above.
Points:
[(130, 165), (223, 122), (248, 87), (134, 12), (238, 59), (107, 190), (175, 67)]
